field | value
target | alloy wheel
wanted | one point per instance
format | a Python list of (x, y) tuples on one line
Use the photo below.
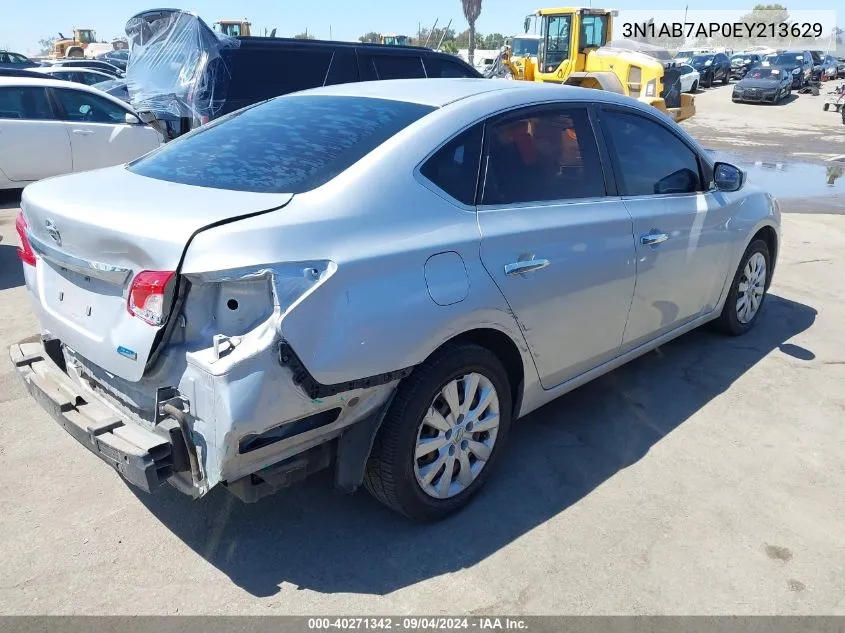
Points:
[(752, 286), (456, 436)]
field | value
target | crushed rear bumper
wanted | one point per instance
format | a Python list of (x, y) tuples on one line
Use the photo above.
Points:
[(144, 458)]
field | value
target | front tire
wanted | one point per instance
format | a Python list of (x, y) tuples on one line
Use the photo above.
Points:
[(442, 435), (727, 79), (748, 290), (826, 107), (694, 87)]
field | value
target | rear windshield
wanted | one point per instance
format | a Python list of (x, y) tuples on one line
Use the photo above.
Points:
[(287, 145)]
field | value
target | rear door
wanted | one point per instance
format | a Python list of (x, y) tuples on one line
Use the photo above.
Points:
[(556, 239), (680, 225), (34, 144), (99, 134)]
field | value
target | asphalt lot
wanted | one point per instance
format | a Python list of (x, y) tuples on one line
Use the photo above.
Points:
[(703, 478)]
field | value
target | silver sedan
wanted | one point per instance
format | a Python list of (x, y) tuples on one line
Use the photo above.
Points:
[(376, 278)]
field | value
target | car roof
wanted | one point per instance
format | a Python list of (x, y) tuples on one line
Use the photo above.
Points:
[(58, 70), (441, 92), (59, 83)]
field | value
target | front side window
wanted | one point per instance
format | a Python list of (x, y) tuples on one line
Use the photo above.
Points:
[(84, 107), (443, 68), (287, 145), (650, 158), (20, 102), (557, 42), (398, 67), (546, 156), (454, 167), (89, 79)]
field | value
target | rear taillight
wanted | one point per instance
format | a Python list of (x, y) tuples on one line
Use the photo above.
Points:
[(24, 250), (147, 295)]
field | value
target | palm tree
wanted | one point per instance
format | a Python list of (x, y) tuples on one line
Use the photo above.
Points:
[(472, 9)]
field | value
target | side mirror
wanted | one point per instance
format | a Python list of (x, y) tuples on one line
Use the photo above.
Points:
[(131, 119), (728, 177)]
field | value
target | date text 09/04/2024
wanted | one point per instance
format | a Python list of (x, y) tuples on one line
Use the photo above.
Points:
[(417, 623), (735, 30)]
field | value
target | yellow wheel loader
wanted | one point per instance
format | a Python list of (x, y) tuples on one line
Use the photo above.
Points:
[(576, 48), (73, 47)]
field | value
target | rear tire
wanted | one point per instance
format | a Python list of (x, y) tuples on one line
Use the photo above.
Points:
[(748, 290), (826, 107), (727, 79), (412, 482)]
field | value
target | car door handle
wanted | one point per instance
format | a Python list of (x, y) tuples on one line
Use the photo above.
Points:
[(527, 266), (652, 239), (83, 132)]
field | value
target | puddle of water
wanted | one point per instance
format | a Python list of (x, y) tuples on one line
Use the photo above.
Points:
[(792, 179)]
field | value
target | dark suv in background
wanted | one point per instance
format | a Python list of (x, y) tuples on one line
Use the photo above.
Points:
[(712, 67), (222, 74)]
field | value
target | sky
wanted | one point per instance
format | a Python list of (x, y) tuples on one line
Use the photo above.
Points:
[(30, 21)]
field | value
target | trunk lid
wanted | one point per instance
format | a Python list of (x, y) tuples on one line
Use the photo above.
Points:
[(95, 231)]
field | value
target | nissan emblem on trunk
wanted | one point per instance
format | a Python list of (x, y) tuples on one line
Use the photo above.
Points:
[(53, 232)]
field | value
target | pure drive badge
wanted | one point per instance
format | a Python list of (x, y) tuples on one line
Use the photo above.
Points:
[(125, 351)]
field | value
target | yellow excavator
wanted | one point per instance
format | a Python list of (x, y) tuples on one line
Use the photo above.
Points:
[(576, 48)]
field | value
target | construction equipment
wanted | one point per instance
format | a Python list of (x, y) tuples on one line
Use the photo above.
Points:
[(395, 40), (73, 47), (519, 48), (575, 48), (233, 28)]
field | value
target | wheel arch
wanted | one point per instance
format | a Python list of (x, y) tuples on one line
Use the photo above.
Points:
[(768, 234), (504, 348)]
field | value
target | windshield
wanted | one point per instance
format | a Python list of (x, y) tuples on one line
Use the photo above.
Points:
[(686, 54), (285, 145), (763, 73), (785, 60), (701, 59), (525, 47), (740, 59)]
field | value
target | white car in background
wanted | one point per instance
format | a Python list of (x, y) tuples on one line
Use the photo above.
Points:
[(50, 127), (87, 76), (690, 79)]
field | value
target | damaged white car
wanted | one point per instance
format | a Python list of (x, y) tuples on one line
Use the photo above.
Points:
[(376, 278)]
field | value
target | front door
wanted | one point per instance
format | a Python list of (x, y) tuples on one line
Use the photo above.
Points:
[(680, 228), (560, 249), (99, 134)]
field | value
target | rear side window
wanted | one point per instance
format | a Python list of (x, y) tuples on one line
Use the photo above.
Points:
[(398, 66), (24, 103), (288, 145), (543, 156), (651, 159), (454, 167), (253, 75), (446, 68), (343, 69)]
